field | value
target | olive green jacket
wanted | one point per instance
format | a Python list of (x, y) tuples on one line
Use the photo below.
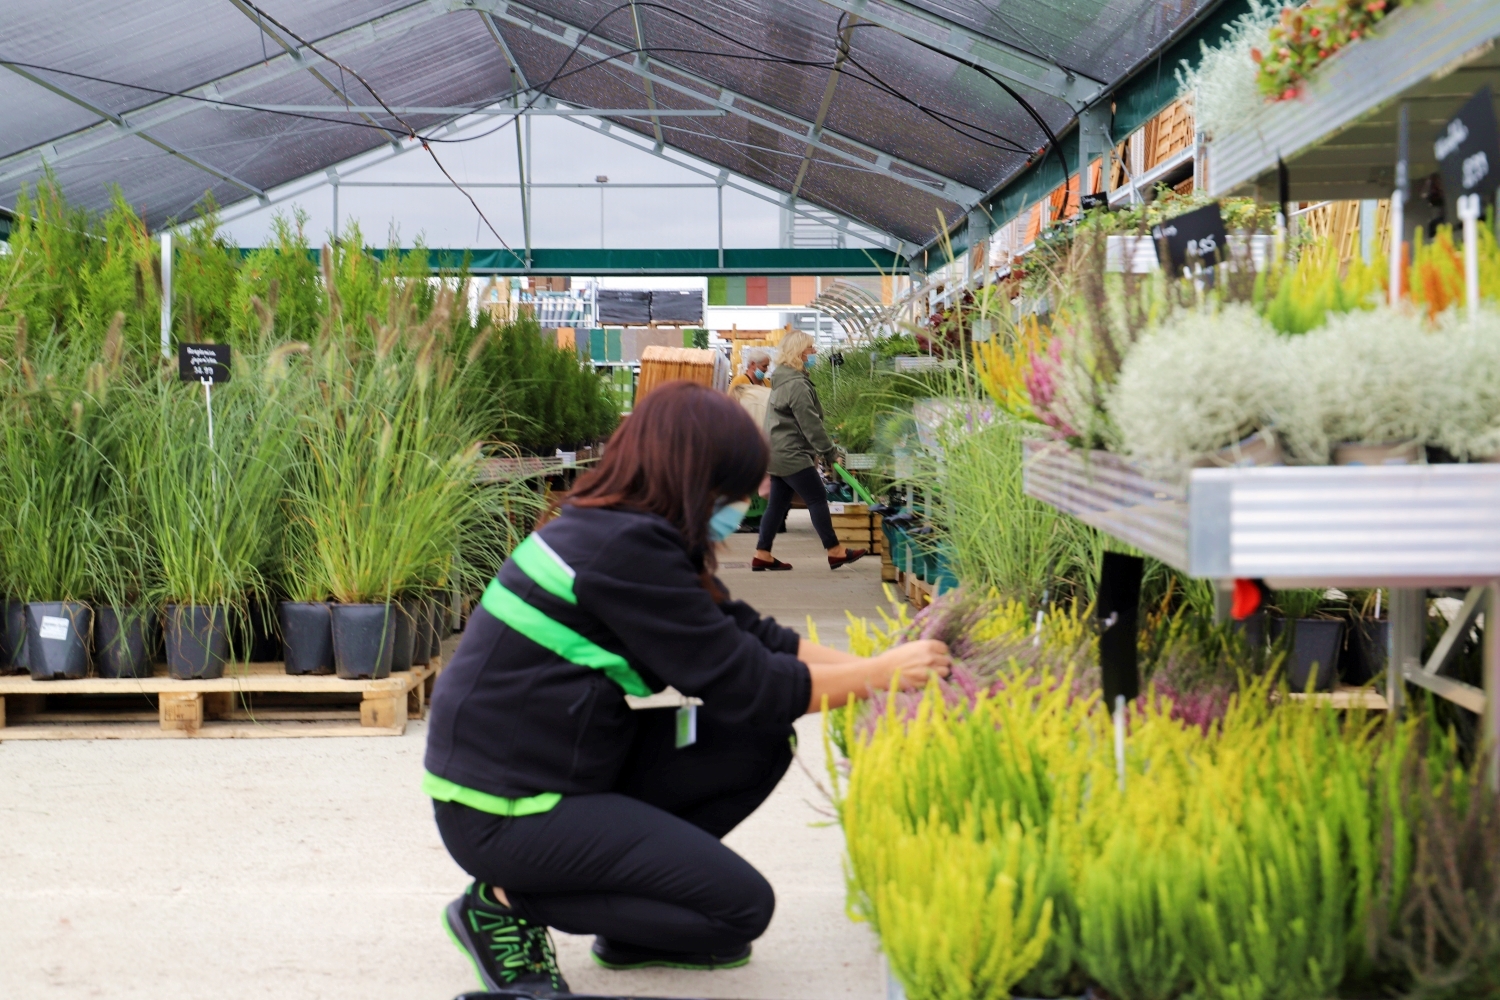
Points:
[(794, 422)]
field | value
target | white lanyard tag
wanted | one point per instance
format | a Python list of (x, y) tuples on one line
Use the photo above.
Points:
[(687, 726)]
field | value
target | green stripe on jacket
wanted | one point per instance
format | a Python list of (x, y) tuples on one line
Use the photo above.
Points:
[(553, 635), (443, 790)]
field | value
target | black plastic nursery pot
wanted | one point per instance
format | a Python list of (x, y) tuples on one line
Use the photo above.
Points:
[(1315, 653), (307, 637), (57, 637), (408, 612), (1364, 656), (13, 639), (58, 634), (439, 630), (421, 646), (197, 641), (123, 643), (364, 640), (259, 628)]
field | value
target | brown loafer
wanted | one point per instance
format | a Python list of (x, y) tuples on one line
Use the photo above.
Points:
[(757, 565), (850, 555)]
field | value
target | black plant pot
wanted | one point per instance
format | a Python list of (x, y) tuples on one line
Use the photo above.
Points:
[(57, 639), (307, 637), (264, 644), (439, 627), (421, 647), (1365, 651), (13, 639), (197, 641), (123, 641), (408, 611), (364, 640), (1315, 653)]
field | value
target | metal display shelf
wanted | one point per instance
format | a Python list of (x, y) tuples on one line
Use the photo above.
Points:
[(1408, 528), (1338, 138)]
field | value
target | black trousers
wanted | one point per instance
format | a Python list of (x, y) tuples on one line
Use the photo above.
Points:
[(643, 864), (809, 486)]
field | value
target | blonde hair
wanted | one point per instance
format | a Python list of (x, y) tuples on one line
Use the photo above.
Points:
[(789, 351)]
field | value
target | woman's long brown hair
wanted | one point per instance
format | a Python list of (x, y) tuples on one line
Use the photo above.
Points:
[(683, 448)]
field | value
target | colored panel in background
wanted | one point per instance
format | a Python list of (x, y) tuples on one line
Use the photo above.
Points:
[(565, 338), (887, 289), (596, 346), (687, 336), (734, 290), (755, 291), (614, 349), (804, 290), (779, 290), (718, 291)]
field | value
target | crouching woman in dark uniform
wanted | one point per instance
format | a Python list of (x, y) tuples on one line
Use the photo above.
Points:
[(569, 809)]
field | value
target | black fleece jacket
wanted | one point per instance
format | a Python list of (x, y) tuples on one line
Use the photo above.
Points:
[(514, 719)]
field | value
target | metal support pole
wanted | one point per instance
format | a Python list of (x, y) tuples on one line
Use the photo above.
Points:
[(1408, 627), (166, 293), (721, 226), (1491, 639), (334, 183), (1368, 210), (1223, 600), (521, 167), (601, 216)]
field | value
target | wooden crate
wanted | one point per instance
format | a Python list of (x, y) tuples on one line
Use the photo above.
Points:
[(251, 700)]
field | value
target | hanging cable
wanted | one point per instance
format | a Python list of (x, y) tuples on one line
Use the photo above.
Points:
[(378, 100)]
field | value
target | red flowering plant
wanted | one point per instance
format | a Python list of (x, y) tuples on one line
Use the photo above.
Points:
[(1308, 35)]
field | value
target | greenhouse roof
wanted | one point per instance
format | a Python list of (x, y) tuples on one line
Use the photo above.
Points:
[(888, 112)]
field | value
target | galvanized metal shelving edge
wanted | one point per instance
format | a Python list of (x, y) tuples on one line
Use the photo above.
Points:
[(1408, 528)]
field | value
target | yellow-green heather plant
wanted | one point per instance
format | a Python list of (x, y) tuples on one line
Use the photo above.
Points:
[(1237, 861)]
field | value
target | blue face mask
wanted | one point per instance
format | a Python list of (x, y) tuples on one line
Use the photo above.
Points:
[(727, 518)]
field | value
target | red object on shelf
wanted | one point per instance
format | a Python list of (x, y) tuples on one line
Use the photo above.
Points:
[(756, 290), (1249, 597)]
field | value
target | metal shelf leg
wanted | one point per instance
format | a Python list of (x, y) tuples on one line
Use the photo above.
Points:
[(1491, 640), (1408, 625)]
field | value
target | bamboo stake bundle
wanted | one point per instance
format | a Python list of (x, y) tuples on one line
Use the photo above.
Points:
[(667, 364)]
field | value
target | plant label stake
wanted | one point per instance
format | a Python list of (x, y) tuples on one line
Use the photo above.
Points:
[(1468, 154), (1398, 206), (205, 363), (1118, 606)]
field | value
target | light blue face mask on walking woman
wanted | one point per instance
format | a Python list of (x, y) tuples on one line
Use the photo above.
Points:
[(727, 518)]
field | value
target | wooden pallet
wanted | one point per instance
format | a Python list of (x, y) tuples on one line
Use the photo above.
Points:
[(251, 701)]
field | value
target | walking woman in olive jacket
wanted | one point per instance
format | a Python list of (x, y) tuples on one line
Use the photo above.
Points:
[(794, 422)]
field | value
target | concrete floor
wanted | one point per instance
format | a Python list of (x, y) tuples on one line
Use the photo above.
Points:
[(228, 869)]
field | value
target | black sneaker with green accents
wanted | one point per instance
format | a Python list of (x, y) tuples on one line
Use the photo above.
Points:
[(620, 956), (508, 953)]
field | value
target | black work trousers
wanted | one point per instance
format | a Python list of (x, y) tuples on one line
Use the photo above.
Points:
[(808, 485), (642, 864)]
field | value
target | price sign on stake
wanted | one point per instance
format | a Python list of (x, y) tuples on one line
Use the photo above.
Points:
[(1468, 152), (1196, 236), (209, 364), (203, 363)]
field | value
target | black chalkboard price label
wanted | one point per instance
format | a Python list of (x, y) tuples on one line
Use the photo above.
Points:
[(203, 363), (1468, 152), (1198, 236)]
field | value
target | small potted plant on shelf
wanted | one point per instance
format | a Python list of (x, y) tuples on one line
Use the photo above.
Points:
[(1313, 640)]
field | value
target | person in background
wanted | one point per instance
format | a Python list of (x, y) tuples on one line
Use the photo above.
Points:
[(794, 422), (754, 368)]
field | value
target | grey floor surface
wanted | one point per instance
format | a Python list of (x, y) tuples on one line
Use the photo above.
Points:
[(229, 869)]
